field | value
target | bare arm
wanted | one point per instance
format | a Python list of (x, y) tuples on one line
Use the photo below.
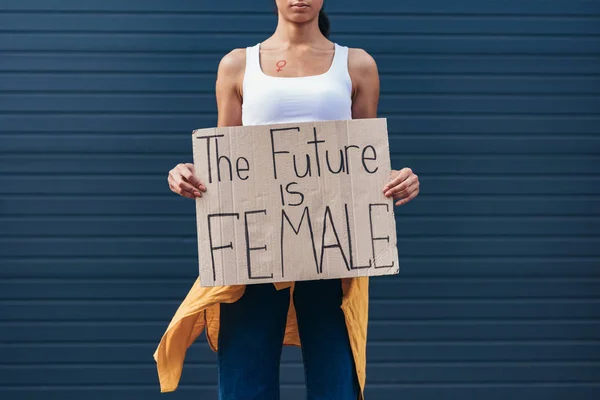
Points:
[(182, 179), (365, 84), (404, 184), (229, 88)]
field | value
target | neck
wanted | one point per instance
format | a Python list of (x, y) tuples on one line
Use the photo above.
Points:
[(292, 33)]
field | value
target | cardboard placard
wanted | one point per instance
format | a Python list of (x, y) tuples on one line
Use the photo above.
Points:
[(292, 202)]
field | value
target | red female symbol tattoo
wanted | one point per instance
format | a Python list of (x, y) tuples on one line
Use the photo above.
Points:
[(280, 64)]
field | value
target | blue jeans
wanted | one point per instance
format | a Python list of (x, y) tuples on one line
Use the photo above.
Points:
[(251, 340)]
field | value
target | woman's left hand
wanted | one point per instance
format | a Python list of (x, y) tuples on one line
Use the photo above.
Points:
[(403, 186)]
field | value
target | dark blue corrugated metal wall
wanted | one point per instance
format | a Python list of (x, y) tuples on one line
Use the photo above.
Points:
[(494, 103)]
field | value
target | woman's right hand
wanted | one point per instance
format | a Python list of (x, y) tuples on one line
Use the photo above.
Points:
[(184, 182)]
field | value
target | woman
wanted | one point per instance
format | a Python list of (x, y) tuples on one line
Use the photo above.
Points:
[(296, 75)]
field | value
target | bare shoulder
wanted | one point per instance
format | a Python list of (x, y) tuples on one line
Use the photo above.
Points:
[(360, 62), (364, 75), (233, 63)]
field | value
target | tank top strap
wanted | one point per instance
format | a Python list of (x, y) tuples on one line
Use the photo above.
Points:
[(253, 59), (340, 59), (339, 67)]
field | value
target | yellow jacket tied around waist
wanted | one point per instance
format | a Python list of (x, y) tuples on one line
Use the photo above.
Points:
[(200, 311)]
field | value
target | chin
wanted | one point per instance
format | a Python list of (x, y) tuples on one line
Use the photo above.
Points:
[(300, 18)]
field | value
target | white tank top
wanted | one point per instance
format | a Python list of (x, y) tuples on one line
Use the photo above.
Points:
[(272, 100)]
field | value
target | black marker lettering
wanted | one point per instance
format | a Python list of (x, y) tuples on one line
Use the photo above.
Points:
[(219, 159), (316, 143), (249, 249), (342, 167), (330, 246), (240, 169), (273, 152), (373, 238), (213, 248), (297, 231), (281, 192), (350, 244), (373, 158), (347, 159), (287, 188), (208, 152), (307, 172)]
